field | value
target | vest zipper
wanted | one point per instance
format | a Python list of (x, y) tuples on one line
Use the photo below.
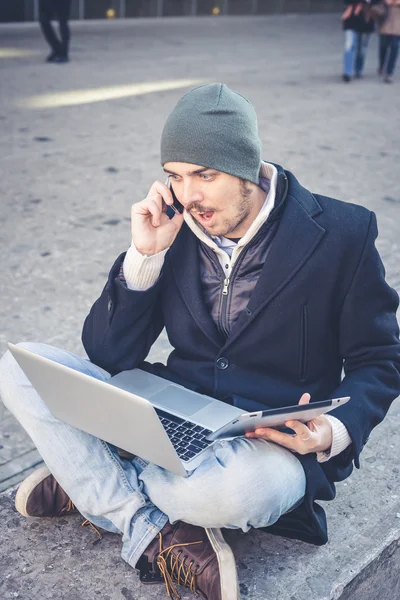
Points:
[(222, 323), (225, 286), (224, 303)]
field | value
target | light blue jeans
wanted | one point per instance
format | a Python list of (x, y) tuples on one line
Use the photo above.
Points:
[(355, 50), (241, 484)]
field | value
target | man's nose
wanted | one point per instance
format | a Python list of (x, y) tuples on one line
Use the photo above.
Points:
[(191, 193)]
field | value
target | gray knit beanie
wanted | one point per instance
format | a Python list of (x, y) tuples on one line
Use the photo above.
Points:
[(214, 127)]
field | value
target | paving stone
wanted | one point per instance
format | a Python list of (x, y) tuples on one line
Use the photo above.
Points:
[(19, 468)]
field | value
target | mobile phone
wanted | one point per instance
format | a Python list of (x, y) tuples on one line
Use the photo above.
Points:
[(176, 206)]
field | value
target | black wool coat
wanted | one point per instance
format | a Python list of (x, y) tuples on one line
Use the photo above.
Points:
[(360, 21), (321, 304)]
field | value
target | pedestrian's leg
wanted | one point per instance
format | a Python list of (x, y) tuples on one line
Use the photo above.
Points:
[(358, 55), (45, 15), (382, 53), (361, 51), (240, 484), (393, 55), (104, 487), (63, 16), (348, 58)]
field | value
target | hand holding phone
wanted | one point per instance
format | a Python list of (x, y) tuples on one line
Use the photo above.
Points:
[(152, 229)]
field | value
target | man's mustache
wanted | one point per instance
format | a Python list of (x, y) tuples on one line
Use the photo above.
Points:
[(196, 206)]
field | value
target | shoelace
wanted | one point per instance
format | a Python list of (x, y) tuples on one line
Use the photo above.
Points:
[(71, 506), (176, 571)]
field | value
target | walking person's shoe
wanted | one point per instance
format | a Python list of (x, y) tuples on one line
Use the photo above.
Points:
[(388, 79), (346, 78), (39, 495), (52, 56), (61, 59), (195, 558)]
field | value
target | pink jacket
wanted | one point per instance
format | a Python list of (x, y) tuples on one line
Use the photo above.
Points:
[(391, 26)]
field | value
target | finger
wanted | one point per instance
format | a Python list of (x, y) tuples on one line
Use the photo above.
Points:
[(177, 219), (314, 424), (142, 206), (150, 207), (301, 430), (273, 435), (156, 211), (163, 190), (305, 399)]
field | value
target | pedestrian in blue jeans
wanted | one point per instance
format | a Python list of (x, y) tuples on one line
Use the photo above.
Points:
[(358, 24)]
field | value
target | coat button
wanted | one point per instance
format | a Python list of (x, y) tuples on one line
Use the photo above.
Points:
[(222, 363)]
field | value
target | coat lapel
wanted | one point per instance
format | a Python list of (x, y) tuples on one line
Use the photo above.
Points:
[(186, 271), (297, 237)]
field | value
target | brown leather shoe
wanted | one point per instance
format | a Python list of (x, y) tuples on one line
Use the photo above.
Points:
[(39, 495), (196, 558)]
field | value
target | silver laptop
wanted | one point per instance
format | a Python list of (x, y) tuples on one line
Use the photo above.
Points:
[(162, 422)]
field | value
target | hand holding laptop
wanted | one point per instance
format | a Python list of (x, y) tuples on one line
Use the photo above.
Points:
[(314, 436)]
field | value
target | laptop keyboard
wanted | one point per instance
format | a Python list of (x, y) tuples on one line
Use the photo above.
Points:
[(187, 438)]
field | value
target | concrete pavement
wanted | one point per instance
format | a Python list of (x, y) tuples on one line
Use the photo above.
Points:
[(79, 144)]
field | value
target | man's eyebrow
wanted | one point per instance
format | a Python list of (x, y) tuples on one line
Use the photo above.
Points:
[(196, 172)]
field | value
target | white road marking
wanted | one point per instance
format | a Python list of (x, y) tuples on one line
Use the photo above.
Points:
[(16, 53), (76, 97)]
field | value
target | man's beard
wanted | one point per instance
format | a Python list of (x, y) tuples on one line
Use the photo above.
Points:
[(244, 206)]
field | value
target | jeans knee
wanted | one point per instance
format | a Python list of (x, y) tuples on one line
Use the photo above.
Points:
[(243, 507), (207, 508), (267, 481), (235, 509), (222, 504)]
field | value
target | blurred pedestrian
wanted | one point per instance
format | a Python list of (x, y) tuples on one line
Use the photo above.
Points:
[(358, 24), (59, 9), (389, 39)]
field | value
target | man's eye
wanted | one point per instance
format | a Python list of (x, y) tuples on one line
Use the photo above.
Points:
[(205, 176)]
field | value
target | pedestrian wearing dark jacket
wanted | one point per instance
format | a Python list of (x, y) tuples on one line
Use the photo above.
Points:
[(389, 40), (268, 294), (358, 24)]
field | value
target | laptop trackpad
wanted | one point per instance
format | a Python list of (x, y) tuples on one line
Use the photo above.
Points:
[(180, 400)]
